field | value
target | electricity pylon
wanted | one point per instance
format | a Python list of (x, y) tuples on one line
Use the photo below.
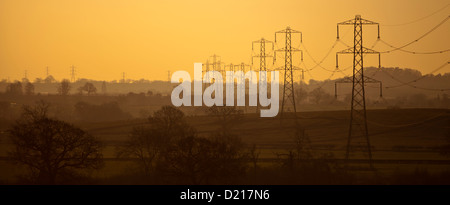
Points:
[(206, 77), (72, 74), (262, 62), (242, 85), (216, 65), (168, 76), (288, 86), (358, 132)]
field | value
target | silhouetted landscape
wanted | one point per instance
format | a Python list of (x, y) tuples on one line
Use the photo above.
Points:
[(97, 132)]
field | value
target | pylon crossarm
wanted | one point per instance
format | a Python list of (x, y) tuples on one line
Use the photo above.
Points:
[(278, 68), (349, 50), (288, 49), (288, 30), (368, 22), (348, 22), (353, 21), (369, 51)]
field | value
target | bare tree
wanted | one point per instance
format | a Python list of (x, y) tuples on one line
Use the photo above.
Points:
[(149, 143), (170, 122), (38, 111), (50, 148), (146, 145), (64, 87), (14, 88), (317, 95), (89, 88), (49, 79), (300, 95), (197, 160), (227, 117), (29, 89)]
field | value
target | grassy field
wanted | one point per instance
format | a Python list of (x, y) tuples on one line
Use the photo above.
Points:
[(402, 139)]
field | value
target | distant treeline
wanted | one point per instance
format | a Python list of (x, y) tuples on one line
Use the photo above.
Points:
[(45, 87), (90, 100)]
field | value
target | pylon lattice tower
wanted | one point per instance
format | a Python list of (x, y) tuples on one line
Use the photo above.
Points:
[(262, 62), (168, 76), (288, 86), (206, 71), (216, 65), (358, 132), (243, 86), (72, 74)]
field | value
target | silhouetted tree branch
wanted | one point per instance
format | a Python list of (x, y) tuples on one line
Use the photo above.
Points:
[(52, 148)]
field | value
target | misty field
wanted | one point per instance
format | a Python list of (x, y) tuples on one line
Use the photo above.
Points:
[(403, 140)]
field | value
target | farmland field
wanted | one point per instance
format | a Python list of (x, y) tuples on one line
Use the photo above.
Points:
[(401, 139)]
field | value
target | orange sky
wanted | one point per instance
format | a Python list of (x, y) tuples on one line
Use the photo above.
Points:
[(104, 38)]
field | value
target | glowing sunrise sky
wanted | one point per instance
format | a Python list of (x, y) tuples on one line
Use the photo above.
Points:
[(145, 39)]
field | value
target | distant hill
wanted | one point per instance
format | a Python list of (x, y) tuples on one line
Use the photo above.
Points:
[(397, 82)]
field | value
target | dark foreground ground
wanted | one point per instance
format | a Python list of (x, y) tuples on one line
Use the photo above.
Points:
[(405, 143)]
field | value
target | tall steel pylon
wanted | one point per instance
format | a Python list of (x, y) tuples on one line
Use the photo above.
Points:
[(168, 76), (72, 74), (213, 63), (262, 62), (358, 132), (288, 86), (216, 63), (242, 67), (206, 70), (231, 67), (243, 86)]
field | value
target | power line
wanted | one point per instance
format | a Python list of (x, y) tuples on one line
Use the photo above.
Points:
[(420, 19), (413, 52), (422, 77), (413, 81), (416, 40), (409, 124), (319, 64)]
